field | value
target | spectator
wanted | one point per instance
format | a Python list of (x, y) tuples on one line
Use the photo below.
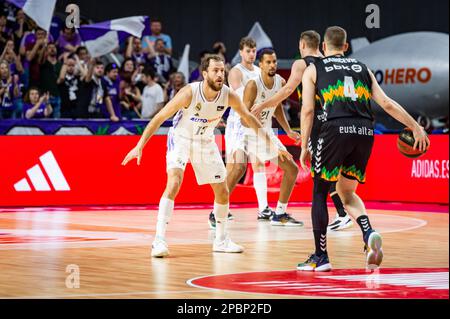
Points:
[(176, 83), (131, 100), (36, 106), (82, 57), (93, 96), (5, 32), (20, 28), (136, 52), (127, 69), (138, 77), (152, 96), (149, 40), (49, 74), (220, 49), (196, 75), (68, 84), (33, 48), (112, 109), (161, 61), (12, 58), (69, 41), (9, 90)]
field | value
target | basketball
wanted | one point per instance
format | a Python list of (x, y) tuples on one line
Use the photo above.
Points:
[(405, 144)]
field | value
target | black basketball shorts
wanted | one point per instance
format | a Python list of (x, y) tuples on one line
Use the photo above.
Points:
[(343, 148)]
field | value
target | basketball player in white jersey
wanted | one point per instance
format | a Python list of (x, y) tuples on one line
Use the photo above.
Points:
[(234, 132), (199, 108), (257, 90), (309, 50)]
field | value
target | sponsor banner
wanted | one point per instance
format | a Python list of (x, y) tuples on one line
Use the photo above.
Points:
[(81, 170), (74, 127)]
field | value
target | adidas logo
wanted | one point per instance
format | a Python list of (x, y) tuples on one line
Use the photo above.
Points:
[(38, 179)]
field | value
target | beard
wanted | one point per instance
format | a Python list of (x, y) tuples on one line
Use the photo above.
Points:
[(214, 86), (272, 73)]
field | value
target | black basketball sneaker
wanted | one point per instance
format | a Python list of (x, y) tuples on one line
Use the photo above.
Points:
[(315, 263), (212, 220), (266, 214)]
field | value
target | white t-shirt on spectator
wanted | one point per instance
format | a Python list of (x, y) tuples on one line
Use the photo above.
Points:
[(151, 97)]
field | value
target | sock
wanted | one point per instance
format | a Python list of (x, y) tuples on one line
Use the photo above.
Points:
[(338, 204), (364, 223), (164, 214), (320, 238), (319, 214), (281, 208), (221, 215), (260, 184)]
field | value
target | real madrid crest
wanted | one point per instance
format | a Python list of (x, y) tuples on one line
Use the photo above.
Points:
[(263, 95), (198, 107)]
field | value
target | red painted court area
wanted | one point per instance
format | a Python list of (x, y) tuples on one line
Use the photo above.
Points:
[(396, 283)]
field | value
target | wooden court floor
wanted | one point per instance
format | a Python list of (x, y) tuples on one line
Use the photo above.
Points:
[(108, 250)]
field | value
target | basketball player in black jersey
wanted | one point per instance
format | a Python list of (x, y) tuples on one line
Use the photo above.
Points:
[(309, 50), (345, 87)]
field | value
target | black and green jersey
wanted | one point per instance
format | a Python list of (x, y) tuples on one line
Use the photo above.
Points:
[(318, 110), (344, 86)]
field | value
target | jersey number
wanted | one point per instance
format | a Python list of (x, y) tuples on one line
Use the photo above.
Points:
[(264, 115), (349, 88), (201, 130)]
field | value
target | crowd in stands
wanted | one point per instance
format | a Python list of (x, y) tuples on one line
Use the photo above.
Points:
[(52, 75)]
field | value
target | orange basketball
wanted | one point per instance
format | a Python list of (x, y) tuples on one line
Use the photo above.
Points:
[(405, 144)]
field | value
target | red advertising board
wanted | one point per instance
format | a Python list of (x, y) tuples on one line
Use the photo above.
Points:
[(76, 170)]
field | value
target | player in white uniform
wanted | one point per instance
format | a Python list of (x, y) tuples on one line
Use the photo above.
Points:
[(199, 108), (234, 132), (257, 90)]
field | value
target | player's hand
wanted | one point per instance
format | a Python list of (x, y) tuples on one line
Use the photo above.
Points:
[(283, 155), (422, 142), (295, 136), (257, 109), (134, 153), (305, 157)]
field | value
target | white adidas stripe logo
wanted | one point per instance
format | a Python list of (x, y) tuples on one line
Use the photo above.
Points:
[(38, 180)]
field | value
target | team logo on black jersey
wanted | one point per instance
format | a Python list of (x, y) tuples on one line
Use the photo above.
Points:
[(220, 108), (198, 107)]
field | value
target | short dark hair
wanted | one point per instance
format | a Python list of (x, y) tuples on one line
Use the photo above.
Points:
[(247, 42), (110, 67), (27, 95), (149, 71), (266, 51), (311, 38), (160, 40), (79, 49), (335, 37), (205, 62)]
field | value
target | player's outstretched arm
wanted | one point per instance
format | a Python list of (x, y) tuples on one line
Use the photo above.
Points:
[(182, 99), (294, 81), (252, 122), (282, 120), (235, 79), (399, 113), (307, 114)]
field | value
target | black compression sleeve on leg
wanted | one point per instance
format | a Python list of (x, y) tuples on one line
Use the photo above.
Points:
[(337, 201), (319, 214)]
